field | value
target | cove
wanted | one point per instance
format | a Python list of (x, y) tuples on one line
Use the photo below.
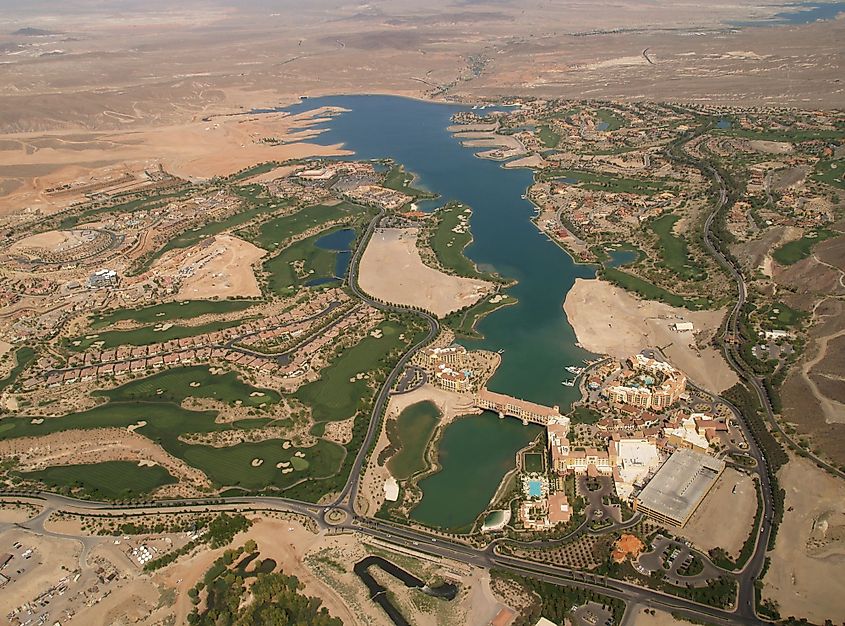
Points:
[(534, 335), (475, 453)]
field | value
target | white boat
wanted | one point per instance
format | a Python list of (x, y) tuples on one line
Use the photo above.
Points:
[(567, 383), (572, 369)]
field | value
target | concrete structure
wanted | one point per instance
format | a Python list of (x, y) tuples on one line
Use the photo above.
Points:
[(683, 327), (102, 278), (651, 384), (636, 459), (514, 407), (678, 487)]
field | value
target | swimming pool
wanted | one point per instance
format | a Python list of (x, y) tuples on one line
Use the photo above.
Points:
[(535, 488)]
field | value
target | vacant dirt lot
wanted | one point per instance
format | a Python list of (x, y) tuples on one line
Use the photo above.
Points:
[(230, 272), (805, 576), (609, 320), (391, 269), (735, 493)]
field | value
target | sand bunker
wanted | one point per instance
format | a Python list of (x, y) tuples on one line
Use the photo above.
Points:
[(609, 320), (391, 269)]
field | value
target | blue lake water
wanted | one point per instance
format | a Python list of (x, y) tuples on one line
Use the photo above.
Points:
[(536, 338), (339, 241), (800, 13)]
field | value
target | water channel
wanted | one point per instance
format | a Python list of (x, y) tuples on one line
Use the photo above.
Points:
[(535, 338)]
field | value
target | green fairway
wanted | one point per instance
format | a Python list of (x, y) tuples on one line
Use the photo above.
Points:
[(464, 322), (613, 121), (782, 134), (548, 137), (169, 311), (276, 232), (400, 180), (673, 249), (650, 291), (146, 335), (779, 315), (301, 263), (606, 182), (794, 251), (111, 480), (232, 466), (176, 384), (23, 356), (413, 431), (338, 393), (448, 246), (830, 172)]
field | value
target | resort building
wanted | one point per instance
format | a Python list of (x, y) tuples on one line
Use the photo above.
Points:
[(579, 460), (678, 487), (450, 379), (636, 460), (687, 435), (453, 356), (650, 384), (514, 407)]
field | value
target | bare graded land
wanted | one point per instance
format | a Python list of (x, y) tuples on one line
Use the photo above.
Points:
[(392, 270), (221, 268), (609, 320), (734, 493), (196, 149), (805, 576)]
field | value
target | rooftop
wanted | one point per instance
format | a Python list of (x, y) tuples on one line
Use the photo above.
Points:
[(680, 484)]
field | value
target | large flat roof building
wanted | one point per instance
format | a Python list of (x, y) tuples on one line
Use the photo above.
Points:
[(678, 487)]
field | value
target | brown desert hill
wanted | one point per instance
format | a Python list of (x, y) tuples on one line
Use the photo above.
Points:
[(812, 395)]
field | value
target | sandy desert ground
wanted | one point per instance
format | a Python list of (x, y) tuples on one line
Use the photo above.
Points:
[(609, 320), (392, 269), (152, 84), (660, 618), (805, 576), (742, 504)]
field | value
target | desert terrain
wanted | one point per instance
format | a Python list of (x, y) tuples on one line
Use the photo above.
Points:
[(735, 492), (609, 320), (806, 565), (392, 270), (100, 92)]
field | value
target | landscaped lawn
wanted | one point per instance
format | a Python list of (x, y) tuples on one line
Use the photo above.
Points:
[(111, 480), (548, 137), (414, 429), (400, 180), (533, 462)]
